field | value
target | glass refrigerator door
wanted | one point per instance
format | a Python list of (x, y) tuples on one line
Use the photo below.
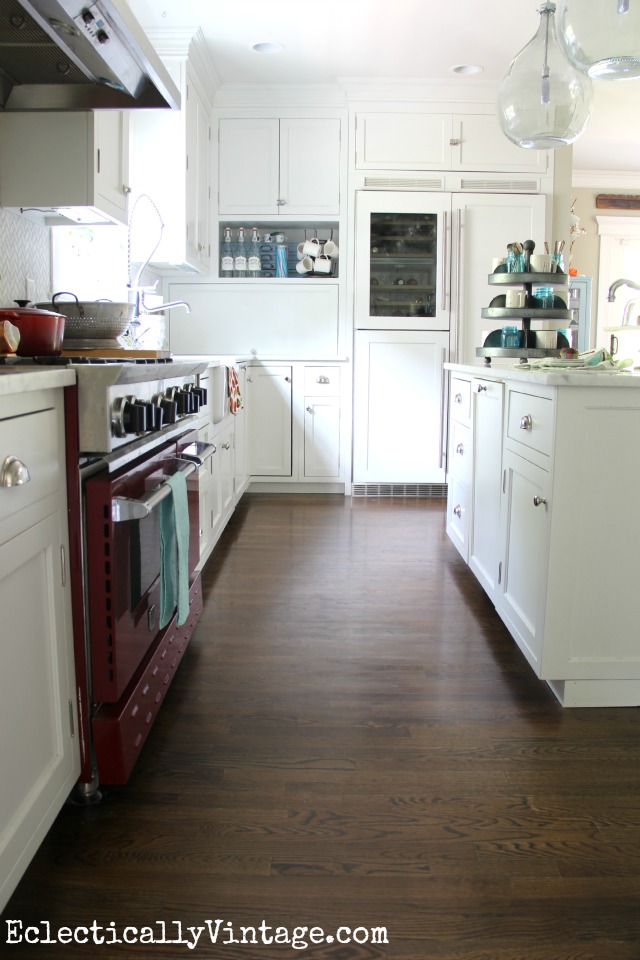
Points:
[(402, 261)]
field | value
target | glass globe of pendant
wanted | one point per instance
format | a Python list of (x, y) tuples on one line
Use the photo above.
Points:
[(601, 37), (543, 101)]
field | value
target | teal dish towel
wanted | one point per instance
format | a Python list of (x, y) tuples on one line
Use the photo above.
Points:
[(174, 551)]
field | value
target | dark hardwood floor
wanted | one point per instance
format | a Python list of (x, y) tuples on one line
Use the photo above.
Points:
[(353, 739)]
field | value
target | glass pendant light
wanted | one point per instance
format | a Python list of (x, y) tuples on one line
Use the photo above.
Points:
[(601, 37), (543, 101)]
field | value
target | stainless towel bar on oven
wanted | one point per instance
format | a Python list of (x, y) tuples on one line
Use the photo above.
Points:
[(126, 508)]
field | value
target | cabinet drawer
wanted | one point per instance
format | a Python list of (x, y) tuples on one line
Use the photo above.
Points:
[(461, 400), (458, 508), (530, 421), (33, 439), (461, 452), (319, 380)]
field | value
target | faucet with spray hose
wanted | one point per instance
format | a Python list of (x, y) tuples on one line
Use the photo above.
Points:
[(138, 291), (632, 305)]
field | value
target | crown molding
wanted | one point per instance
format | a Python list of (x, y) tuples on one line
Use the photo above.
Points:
[(604, 179), (253, 96), (183, 43), (447, 91)]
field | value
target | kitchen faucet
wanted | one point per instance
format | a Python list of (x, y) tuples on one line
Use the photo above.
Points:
[(620, 283), (138, 291)]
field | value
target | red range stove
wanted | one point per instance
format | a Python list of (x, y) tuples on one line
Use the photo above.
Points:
[(130, 426)]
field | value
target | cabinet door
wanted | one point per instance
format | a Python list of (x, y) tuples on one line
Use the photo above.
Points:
[(241, 436), (483, 146), (248, 172), (403, 141), (196, 175), (39, 753), (525, 528), (402, 263), (224, 443), (322, 437), (309, 167), (484, 545), (112, 164), (398, 407), (482, 224), (270, 421)]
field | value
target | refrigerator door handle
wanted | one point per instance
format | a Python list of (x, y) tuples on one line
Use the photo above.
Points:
[(457, 320), (443, 276), (444, 419)]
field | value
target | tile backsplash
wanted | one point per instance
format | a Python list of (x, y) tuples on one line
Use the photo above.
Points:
[(25, 252)]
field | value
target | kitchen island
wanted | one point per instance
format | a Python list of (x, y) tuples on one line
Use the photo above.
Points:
[(543, 473)]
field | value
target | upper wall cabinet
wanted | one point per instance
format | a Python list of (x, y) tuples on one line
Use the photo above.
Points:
[(170, 163), (57, 160), (286, 167), (440, 141)]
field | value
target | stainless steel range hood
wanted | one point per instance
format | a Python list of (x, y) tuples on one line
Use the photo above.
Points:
[(66, 55)]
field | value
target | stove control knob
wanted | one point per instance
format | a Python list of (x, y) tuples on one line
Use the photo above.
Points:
[(134, 416), (168, 407), (154, 415), (202, 394), (183, 399), (194, 397), (128, 415)]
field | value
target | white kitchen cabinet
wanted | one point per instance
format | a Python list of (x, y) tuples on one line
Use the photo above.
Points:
[(279, 167), (439, 141), (525, 550), (322, 422), (398, 406), (296, 415), (66, 160), (39, 752), (459, 464), (170, 163), (270, 431), (422, 259), (567, 577), (485, 460)]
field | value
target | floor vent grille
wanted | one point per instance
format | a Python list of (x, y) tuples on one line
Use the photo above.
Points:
[(433, 490)]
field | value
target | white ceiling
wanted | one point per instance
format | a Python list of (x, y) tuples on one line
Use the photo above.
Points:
[(328, 41)]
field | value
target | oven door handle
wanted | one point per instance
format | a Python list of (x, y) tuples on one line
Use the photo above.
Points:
[(127, 508)]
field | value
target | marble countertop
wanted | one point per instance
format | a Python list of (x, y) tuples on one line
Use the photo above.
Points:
[(562, 377), (17, 379)]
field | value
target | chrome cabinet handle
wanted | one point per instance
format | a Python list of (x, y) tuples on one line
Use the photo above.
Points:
[(309, 409), (287, 379), (457, 398), (482, 388), (323, 379), (226, 446), (14, 473), (454, 142), (460, 449), (457, 511), (537, 501), (281, 203), (526, 422)]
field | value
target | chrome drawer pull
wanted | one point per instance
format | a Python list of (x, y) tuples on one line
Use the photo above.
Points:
[(458, 398), (460, 449), (537, 501), (323, 379), (526, 422), (14, 473), (457, 511), (481, 387)]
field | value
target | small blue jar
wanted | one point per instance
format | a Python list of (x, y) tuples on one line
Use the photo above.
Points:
[(509, 337)]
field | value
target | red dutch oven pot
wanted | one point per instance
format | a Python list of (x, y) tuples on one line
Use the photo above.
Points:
[(41, 331)]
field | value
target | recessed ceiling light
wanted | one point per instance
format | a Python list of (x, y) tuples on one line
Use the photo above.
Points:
[(267, 46), (467, 69)]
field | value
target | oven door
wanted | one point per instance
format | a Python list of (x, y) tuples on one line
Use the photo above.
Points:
[(122, 522)]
